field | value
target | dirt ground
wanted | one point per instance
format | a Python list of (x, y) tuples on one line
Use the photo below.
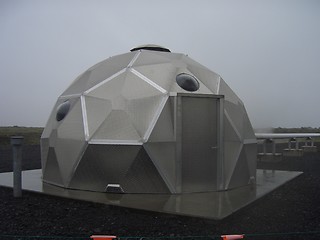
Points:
[(290, 212)]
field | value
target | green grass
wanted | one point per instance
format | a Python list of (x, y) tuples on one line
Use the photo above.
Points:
[(31, 134)]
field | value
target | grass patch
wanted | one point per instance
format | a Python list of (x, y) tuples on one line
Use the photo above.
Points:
[(31, 134)]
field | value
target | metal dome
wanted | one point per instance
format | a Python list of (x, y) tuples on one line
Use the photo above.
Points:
[(128, 125)]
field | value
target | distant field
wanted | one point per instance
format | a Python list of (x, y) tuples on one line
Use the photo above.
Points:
[(31, 134)]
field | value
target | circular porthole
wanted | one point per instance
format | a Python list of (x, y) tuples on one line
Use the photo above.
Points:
[(187, 82), (62, 110)]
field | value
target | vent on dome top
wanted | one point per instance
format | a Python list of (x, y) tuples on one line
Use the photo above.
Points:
[(151, 47)]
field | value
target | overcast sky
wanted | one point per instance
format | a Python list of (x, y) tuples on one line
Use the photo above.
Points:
[(267, 51)]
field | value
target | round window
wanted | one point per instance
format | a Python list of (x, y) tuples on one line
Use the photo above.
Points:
[(187, 82), (62, 110)]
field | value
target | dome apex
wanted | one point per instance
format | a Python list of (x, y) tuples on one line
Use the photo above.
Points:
[(151, 47)]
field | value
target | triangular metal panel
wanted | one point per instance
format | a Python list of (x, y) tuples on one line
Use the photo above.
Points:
[(52, 123), (97, 111), (248, 132), (144, 112), (68, 153), (229, 95), (51, 173), (101, 165), (251, 154), (236, 114), (136, 88), (45, 144), (162, 74), (117, 126), (99, 73), (163, 130), (231, 157), (190, 62), (173, 57), (241, 174), (230, 131), (53, 138), (143, 176), (71, 140), (71, 126), (163, 156), (149, 58), (109, 89), (44, 151), (79, 85), (208, 78), (109, 67)]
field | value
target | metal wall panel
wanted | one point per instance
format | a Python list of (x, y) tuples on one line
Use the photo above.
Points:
[(236, 114), (109, 67), (163, 130), (71, 141), (248, 132), (97, 111), (79, 85), (241, 174), (109, 89), (102, 165), (208, 78), (231, 155), (251, 154), (98, 73), (162, 154), (44, 144), (117, 126), (162, 74), (229, 94), (51, 172), (142, 112), (143, 176), (149, 58)]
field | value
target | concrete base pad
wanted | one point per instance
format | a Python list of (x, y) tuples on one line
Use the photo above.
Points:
[(214, 205), (292, 152), (309, 148), (270, 157)]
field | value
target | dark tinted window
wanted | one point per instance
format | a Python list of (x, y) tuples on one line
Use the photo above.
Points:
[(187, 82), (62, 110)]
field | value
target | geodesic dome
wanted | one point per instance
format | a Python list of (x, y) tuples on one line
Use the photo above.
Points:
[(148, 121)]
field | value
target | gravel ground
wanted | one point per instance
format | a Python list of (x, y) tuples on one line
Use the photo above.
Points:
[(290, 212)]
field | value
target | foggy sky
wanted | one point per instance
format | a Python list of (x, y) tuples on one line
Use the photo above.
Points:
[(268, 51)]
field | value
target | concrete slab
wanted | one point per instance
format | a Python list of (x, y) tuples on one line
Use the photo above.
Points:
[(270, 157), (213, 205), (292, 152), (309, 148)]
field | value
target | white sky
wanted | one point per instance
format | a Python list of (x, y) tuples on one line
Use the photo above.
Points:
[(268, 51)]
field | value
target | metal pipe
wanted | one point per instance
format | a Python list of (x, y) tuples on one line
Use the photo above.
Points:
[(16, 143), (265, 146), (273, 147)]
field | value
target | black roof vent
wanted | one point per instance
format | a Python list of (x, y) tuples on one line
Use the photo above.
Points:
[(151, 47)]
